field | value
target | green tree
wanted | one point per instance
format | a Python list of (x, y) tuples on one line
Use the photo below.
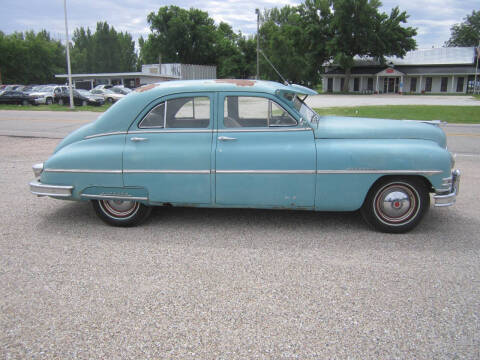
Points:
[(106, 50), (179, 35), (358, 28), (31, 58), (191, 37), (466, 33), (294, 39)]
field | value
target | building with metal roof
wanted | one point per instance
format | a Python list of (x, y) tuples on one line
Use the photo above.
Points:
[(151, 73), (437, 70)]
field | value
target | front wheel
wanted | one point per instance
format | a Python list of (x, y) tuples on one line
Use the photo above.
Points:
[(396, 205), (121, 212)]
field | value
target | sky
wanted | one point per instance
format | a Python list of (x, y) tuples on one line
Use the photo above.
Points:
[(432, 18)]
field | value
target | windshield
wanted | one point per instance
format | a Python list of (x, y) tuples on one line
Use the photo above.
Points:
[(307, 113), (84, 92)]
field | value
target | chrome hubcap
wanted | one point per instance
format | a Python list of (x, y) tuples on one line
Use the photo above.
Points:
[(120, 208), (396, 203)]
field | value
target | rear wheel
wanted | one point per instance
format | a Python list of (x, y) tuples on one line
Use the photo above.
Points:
[(49, 101), (396, 205), (121, 212)]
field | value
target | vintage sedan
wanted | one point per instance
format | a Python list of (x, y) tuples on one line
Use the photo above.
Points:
[(249, 144)]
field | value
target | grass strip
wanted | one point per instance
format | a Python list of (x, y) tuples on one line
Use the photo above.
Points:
[(451, 114)]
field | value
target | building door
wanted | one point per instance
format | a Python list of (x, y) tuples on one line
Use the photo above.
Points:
[(390, 85)]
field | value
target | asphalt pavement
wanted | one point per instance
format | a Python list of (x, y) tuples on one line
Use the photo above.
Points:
[(233, 283)]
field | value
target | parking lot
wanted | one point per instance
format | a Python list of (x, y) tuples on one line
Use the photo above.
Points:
[(233, 284)]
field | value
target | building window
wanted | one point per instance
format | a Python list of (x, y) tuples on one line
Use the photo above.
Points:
[(356, 84), (413, 84), (342, 83), (428, 84), (444, 84), (460, 81), (330, 85), (370, 84)]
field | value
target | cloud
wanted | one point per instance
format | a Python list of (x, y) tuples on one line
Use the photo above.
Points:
[(432, 18)]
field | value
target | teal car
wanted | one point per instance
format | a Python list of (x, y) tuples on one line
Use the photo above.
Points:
[(248, 144)]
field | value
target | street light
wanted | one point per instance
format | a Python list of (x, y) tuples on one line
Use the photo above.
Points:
[(72, 105), (257, 11)]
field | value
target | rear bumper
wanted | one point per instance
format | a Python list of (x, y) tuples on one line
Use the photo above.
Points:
[(449, 197), (60, 191)]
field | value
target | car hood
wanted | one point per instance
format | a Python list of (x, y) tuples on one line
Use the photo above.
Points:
[(338, 127)]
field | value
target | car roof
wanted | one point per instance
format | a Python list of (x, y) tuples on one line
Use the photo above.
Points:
[(270, 87)]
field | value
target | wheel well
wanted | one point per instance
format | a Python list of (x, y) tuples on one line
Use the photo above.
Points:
[(423, 179)]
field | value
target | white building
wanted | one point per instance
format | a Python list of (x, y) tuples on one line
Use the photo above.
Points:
[(438, 70), (151, 73)]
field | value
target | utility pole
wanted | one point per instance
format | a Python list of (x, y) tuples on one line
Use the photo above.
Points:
[(72, 105), (257, 11), (477, 55)]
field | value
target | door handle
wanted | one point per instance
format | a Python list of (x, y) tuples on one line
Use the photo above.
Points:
[(138, 139), (226, 138)]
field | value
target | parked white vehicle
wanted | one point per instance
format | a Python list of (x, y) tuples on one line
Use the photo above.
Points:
[(108, 95), (46, 94)]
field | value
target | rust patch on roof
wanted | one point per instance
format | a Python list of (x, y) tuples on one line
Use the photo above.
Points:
[(236, 82), (146, 88)]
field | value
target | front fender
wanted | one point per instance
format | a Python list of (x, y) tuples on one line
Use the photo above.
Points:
[(347, 168)]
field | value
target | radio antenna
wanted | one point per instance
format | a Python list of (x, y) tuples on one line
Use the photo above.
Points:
[(274, 68)]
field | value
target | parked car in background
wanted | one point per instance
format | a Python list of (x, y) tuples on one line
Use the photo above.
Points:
[(46, 94), (14, 97), (108, 95), (80, 98), (251, 144), (103, 86), (121, 90)]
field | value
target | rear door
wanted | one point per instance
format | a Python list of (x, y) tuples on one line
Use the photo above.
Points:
[(168, 150)]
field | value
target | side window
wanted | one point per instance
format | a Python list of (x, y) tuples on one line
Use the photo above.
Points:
[(250, 111), (180, 113)]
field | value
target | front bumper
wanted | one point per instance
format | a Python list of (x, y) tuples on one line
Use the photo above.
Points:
[(61, 191), (449, 197)]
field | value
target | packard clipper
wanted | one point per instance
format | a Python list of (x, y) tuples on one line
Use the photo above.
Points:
[(249, 144)]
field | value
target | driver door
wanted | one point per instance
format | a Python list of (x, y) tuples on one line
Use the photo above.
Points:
[(264, 158)]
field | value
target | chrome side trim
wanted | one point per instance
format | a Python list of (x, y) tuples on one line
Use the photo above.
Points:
[(263, 130), (93, 171), (264, 171), (114, 197), (170, 131), (141, 171), (40, 189), (106, 134), (388, 172)]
